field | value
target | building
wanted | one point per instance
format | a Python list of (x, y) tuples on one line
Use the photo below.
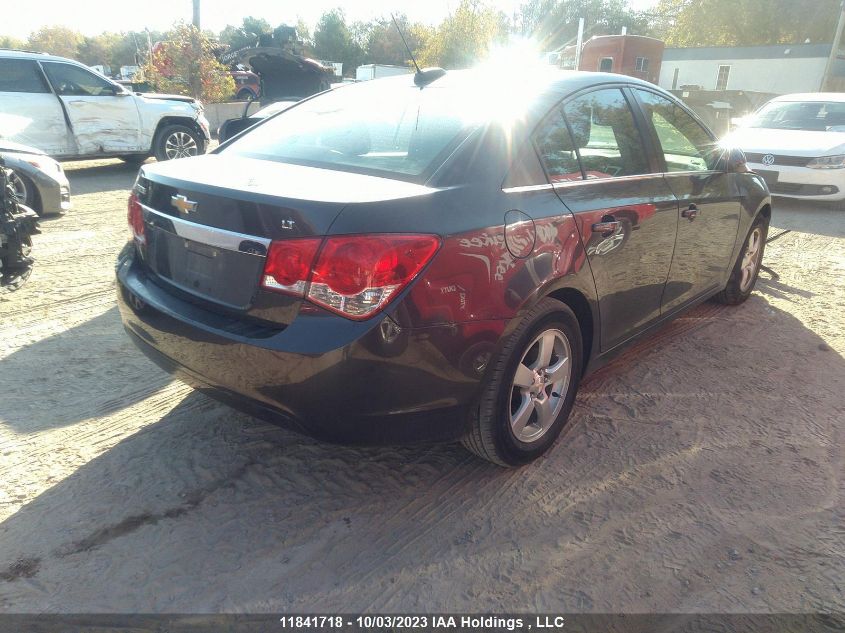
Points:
[(780, 69), (632, 55)]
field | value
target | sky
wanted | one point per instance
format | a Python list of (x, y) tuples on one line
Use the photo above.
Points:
[(91, 17)]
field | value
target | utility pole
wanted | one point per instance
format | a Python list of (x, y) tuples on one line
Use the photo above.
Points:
[(578, 43), (834, 50), (196, 20)]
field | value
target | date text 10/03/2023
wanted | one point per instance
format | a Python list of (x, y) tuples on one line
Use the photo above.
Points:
[(421, 621)]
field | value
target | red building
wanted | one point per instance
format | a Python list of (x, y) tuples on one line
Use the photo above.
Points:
[(632, 55)]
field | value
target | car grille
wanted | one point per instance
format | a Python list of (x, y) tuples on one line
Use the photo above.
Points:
[(784, 161)]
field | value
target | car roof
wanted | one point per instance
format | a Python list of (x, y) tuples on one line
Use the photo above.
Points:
[(837, 97), (21, 54)]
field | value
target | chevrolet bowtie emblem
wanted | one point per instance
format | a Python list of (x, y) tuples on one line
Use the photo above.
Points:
[(183, 204)]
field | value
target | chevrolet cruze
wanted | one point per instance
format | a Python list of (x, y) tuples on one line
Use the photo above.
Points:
[(439, 256)]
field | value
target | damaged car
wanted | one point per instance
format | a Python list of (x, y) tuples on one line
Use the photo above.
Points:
[(68, 111), (37, 181)]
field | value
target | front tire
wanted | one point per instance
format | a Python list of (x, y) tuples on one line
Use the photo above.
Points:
[(23, 188), (528, 396), (178, 141), (747, 266)]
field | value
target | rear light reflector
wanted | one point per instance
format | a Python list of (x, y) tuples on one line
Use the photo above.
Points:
[(288, 265), (354, 276), (135, 216)]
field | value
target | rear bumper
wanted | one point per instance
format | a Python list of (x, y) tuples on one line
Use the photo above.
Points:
[(324, 375)]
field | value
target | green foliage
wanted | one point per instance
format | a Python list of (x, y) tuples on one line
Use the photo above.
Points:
[(464, 37), (687, 23), (247, 34), (335, 41), (100, 49), (7, 41), (184, 63), (56, 40), (554, 23)]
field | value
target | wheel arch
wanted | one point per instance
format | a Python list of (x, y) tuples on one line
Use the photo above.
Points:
[(175, 120), (580, 305)]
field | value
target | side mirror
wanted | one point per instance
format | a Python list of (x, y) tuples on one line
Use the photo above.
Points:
[(737, 163)]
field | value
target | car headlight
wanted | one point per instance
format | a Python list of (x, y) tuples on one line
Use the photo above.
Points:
[(828, 162), (44, 164)]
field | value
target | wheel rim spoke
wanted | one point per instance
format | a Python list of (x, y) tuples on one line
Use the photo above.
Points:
[(519, 420), (544, 354), (524, 377), (558, 371), (545, 412)]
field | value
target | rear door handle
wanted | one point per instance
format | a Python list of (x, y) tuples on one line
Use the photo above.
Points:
[(691, 213), (606, 227)]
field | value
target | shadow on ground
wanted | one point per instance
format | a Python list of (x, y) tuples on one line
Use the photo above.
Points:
[(100, 176), (701, 473), (84, 372)]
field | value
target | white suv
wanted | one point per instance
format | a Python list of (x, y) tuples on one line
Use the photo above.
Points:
[(69, 111)]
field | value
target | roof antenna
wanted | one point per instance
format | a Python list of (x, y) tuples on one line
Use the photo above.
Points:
[(426, 75)]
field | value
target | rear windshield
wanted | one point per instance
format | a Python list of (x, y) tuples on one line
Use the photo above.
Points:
[(800, 115), (382, 127)]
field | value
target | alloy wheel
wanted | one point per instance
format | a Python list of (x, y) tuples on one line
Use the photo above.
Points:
[(180, 145), (751, 259), (18, 188), (540, 385)]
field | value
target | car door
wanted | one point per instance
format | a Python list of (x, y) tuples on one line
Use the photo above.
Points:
[(104, 119), (29, 113), (708, 198), (625, 210)]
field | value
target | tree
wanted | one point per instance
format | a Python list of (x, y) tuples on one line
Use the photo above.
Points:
[(384, 44), (7, 41), (247, 34), (464, 37), (99, 49), (688, 23), (184, 63), (554, 23), (56, 40), (334, 41)]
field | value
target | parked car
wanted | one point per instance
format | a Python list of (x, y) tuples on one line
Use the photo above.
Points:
[(231, 127), (440, 256), (38, 181), (247, 85), (68, 111), (797, 144)]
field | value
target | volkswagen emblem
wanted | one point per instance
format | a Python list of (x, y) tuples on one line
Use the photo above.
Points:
[(183, 204), (768, 160)]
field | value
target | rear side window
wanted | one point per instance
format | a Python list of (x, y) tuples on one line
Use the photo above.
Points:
[(556, 149), (388, 128), (603, 129), (686, 146), (21, 75), (70, 80)]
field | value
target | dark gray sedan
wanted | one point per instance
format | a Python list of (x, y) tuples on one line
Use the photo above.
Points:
[(38, 180)]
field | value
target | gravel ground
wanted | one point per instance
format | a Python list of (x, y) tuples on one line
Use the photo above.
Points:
[(703, 470)]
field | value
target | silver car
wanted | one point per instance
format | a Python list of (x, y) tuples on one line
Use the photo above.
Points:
[(38, 180)]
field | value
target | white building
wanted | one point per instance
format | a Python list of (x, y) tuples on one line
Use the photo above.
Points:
[(780, 69)]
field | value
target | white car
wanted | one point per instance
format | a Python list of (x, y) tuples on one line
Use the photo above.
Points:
[(70, 112), (797, 144)]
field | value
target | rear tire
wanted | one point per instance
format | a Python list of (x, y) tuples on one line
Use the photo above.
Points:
[(528, 395), (178, 141), (747, 265)]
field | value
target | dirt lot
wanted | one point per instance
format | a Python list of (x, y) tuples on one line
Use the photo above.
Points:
[(703, 470)]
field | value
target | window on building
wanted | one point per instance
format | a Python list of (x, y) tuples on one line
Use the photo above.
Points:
[(722, 77), (642, 64), (606, 65)]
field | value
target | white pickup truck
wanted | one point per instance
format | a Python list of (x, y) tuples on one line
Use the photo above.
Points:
[(71, 112)]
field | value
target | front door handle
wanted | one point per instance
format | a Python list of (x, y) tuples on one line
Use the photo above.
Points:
[(607, 226), (691, 213)]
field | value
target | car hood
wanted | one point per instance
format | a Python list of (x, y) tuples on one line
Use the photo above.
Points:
[(789, 142), (16, 148)]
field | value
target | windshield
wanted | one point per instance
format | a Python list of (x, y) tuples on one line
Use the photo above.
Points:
[(384, 127), (800, 115)]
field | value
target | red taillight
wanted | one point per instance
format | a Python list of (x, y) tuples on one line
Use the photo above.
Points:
[(135, 216), (288, 265), (355, 276)]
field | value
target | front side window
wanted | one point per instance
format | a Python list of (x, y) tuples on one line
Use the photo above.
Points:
[(604, 130), (556, 149), (686, 146), (69, 80), (370, 127), (21, 75)]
